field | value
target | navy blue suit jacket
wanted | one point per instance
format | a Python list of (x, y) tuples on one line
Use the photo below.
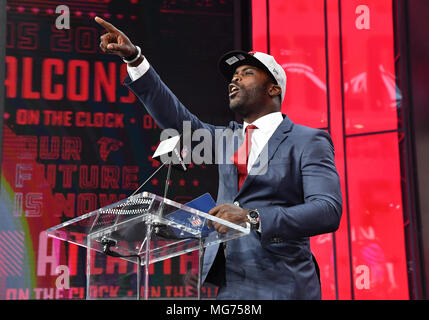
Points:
[(297, 194)]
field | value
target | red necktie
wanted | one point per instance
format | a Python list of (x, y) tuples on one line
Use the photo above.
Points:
[(240, 157)]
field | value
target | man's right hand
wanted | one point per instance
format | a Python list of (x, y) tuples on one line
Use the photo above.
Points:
[(115, 41)]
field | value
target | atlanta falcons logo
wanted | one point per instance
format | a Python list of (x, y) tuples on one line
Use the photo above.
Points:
[(108, 145)]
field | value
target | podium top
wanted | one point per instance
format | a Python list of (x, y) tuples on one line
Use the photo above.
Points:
[(173, 228)]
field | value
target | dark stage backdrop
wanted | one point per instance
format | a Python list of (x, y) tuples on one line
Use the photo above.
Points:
[(75, 139)]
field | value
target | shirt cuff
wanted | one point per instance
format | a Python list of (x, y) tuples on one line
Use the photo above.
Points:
[(140, 70)]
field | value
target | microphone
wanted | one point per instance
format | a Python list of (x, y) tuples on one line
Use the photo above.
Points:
[(107, 243)]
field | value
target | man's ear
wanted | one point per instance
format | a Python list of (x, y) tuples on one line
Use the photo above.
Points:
[(274, 90)]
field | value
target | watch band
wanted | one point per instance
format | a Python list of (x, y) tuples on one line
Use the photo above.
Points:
[(131, 60)]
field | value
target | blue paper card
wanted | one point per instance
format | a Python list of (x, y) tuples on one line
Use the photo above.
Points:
[(203, 203)]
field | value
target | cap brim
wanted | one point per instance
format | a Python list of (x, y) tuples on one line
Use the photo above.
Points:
[(234, 59)]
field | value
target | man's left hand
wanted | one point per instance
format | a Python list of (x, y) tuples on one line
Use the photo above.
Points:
[(228, 212)]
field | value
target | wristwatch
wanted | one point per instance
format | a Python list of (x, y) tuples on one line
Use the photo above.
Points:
[(253, 216)]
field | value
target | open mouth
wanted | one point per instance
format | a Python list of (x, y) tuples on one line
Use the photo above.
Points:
[(233, 90)]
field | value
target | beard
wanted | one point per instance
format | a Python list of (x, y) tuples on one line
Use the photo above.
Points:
[(247, 99), (238, 103)]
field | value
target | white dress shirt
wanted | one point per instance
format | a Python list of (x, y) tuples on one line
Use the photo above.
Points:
[(266, 126), (137, 72)]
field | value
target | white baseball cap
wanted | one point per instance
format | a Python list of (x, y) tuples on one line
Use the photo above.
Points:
[(233, 59)]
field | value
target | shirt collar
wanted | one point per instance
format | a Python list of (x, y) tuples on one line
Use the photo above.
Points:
[(266, 123)]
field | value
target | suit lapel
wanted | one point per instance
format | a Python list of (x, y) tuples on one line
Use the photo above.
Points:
[(229, 168), (267, 153)]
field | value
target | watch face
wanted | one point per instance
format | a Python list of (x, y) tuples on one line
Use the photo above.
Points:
[(253, 214)]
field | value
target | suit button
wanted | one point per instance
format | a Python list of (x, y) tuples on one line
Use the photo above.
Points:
[(236, 203)]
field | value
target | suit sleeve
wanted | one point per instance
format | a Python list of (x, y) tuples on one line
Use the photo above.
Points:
[(322, 207)]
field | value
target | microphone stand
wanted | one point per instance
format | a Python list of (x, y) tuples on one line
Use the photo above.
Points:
[(107, 243)]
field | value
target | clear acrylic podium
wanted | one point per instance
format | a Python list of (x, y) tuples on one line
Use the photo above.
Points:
[(143, 229)]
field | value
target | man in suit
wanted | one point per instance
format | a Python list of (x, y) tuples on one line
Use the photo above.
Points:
[(287, 188)]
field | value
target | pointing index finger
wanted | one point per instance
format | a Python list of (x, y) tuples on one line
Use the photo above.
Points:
[(106, 25)]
